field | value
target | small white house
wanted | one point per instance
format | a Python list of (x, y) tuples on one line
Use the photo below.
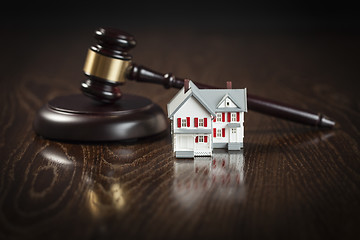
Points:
[(203, 119)]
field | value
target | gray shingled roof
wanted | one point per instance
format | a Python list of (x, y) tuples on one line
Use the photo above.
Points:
[(210, 99)]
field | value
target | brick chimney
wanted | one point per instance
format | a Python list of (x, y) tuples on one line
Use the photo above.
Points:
[(229, 85), (186, 85)]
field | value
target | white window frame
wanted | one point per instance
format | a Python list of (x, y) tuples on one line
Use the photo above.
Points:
[(183, 122), (219, 132), (233, 117), (201, 139), (201, 122), (219, 117)]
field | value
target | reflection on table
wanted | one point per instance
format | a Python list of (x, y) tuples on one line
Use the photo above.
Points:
[(220, 176)]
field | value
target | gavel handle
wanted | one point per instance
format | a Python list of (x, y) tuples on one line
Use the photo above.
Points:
[(254, 103)]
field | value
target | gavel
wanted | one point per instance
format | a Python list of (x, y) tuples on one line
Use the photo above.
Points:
[(108, 65)]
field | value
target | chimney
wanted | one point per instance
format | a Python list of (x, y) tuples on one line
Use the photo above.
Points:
[(229, 85), (186, 85)]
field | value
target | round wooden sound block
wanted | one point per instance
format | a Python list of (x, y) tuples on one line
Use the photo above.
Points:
[(79, 118)]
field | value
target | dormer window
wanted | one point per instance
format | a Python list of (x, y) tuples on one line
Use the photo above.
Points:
[(227, 102)]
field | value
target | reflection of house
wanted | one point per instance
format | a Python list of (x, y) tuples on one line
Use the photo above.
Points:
[(221, 176), (203, 119)]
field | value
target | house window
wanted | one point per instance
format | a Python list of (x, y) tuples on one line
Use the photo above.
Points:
[(218, 132), (233, 130), (183, 122), (218, 117), (201, 122), (227, 103), (233, 117), (201, 139)]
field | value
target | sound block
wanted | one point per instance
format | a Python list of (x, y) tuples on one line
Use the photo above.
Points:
[(79, 118)]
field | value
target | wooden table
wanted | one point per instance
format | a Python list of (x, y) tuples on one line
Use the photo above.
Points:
[(290, 181)]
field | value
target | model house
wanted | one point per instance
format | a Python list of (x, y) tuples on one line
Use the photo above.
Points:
[(203, 119)]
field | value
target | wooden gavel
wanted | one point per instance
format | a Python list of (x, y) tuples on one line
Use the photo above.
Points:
[(108, 65)]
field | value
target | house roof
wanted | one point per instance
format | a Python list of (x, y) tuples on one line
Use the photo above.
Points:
[(224, 98), (210, 99)]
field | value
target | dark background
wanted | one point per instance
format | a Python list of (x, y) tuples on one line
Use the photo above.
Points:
[(237, 16), (28, 26), (301, 182)]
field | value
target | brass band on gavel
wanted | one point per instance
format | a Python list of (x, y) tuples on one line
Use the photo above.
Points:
[(107, 68)]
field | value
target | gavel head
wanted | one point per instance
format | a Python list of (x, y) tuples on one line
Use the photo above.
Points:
[(106, 64)]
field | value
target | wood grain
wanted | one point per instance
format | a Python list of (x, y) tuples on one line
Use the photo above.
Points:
[(289, 182)]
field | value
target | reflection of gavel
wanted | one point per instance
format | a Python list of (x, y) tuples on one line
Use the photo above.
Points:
[(108, 65)]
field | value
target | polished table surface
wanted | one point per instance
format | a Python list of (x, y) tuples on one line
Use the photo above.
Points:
[(289, 182)]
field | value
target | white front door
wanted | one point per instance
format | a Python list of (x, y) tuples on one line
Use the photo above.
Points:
[(233, 135)]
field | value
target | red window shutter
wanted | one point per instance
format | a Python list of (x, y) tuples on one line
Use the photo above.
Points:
[(196, 122), (214, 132), (205, 139), (179, 122), (238, 116), (188, 121), (229, 116), (223, 132), (214, 118), (205, 122), (196, 139), (223, 117)]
